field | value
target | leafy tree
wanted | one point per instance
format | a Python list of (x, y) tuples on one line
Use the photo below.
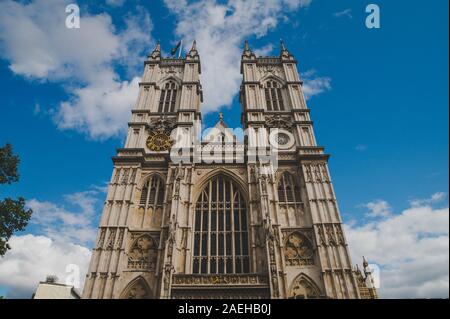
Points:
[(13, 215), (8, 165)]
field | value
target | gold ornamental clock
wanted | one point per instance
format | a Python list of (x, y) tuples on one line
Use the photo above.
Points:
[(159, 141)]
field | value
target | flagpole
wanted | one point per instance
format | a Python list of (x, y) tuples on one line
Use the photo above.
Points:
[(181, 47)]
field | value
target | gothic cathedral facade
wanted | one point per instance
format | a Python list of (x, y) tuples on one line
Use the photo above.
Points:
[(239, 228)]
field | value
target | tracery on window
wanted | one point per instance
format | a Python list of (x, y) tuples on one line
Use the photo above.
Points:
[(152, 195), (298, 250), (143, 253), (168, 98), (220, 229), (288, 190), (274, 97)]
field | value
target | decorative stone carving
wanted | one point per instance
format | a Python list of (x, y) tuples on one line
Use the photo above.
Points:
[(330, 235), (304, 288), (298, 250), (101, 239), (279, 121), (316, 172), (340, 235), (137, 290), (116, 176), (125, 175), (163, 124), (111, 239), (143, 253), (219, 279), (321, 235), (120, 238)]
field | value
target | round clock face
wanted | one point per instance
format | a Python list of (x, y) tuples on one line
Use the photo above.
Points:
[(159, 142)]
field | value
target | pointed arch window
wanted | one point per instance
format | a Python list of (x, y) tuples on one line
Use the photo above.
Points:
[(220, 229), (274, 97), (152, 195), (288, 190), (168, 98)]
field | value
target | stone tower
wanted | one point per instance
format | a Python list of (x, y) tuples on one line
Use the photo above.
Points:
[(221, 216)]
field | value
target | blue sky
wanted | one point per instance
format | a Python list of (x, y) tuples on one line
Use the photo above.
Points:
[(379, 103)]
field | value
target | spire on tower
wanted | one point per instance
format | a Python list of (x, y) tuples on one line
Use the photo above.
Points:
[(246, 48), (193, 53), (283, 48), (247, 51), (194, 46), (284, 53), (156, 53), (365, 262)]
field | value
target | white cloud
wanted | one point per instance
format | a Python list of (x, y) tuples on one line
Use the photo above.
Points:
[(314, 85), (378, 208), (220, 29), (99, 110), (411, 248), (32, 258), (62, 233), (344, 13), (435, 198), (265, 50), (73, 221), (35, 41)]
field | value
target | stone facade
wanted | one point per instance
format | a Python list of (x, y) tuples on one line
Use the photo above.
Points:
[(233, 229)]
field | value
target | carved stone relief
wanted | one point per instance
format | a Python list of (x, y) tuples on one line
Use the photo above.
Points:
[(143, 253), (298, 250)]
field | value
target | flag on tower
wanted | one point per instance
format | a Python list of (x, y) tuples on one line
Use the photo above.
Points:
[(175, 49)]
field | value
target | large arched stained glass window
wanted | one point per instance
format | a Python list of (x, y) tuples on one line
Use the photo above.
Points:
[(221, 229)]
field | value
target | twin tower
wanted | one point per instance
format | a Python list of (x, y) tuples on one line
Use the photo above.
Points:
[(263, 223)]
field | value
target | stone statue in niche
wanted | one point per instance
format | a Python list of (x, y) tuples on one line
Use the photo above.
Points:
[(138, 290), (303, 289)]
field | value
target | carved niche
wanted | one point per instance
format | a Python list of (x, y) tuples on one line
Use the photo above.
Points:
[(304, 288), (298, 250), (137, 289), (143, 253)]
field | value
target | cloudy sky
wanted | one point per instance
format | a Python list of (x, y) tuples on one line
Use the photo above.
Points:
[(379, 99)]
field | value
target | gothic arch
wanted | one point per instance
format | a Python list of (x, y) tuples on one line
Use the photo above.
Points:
[(288, 188), (148, 176), (145, 188), (143, 253), (272, 77), (303, 287), (221, 171), (221, 228), (137, 289), (160, 84)]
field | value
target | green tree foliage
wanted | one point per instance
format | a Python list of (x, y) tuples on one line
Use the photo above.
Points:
[(8, 165), (13, 214)]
